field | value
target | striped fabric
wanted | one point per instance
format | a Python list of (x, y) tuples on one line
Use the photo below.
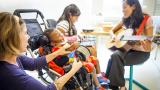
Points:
[(63, 25)]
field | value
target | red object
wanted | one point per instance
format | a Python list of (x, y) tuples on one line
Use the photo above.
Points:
[(101, 88), (92, 59), (141, 27), (41, 50), (51, 64), (55, 49), (55, 67), (88, 66)]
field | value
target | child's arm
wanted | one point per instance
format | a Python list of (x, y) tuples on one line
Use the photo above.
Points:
[(74, 46), (61, 51)]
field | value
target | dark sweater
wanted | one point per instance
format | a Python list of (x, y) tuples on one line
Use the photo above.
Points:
[(13, 77)]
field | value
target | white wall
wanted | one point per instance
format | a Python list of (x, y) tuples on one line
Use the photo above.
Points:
[(149, 6), (97, 7), (157, 8), (91, 9), (50, 8)]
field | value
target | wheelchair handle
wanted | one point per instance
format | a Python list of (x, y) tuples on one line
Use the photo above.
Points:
[(19, 11)]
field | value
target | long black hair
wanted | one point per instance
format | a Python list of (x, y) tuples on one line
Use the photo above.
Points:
[(136, 18), (70, 10)]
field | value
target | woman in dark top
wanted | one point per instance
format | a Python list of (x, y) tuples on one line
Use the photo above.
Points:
[(130, 54), (13, 41)]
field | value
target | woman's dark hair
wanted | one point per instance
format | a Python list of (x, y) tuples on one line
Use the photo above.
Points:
[(70, 10), (136, 18)]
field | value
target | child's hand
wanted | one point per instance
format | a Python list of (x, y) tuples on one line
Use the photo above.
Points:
[(82, 38), (66, 46), (74, 46), (63, 51)]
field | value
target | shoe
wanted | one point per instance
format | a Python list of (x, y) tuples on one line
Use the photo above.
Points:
[(103, 74), (103, 80)]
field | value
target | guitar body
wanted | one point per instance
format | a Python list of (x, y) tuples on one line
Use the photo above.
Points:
[(117, 43)]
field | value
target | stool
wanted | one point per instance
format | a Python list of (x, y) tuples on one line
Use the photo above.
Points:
[(131, 80)]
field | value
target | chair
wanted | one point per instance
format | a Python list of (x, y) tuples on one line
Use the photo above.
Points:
[(131, 80), (51, 23)]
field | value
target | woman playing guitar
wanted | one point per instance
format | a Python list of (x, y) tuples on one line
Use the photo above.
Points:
[(132, 53)]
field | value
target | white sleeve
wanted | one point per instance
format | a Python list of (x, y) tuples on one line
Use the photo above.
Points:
[(63, 25)]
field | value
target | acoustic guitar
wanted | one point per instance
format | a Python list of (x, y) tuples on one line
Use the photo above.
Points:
[(124, 36), (117, 42)]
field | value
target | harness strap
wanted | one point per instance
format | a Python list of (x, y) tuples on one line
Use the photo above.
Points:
[(141, 27)]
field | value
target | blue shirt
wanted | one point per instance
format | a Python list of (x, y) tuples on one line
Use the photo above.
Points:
[(13, 77)]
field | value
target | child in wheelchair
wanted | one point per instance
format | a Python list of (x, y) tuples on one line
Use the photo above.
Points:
[(57, 40)]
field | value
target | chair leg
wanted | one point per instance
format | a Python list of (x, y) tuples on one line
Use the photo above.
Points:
[(140, 85), (131, 81), (131, 77)]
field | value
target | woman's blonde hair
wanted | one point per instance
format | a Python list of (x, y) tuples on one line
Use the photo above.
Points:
[(10, 29)]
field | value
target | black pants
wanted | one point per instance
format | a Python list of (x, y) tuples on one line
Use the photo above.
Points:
[(119, 59)]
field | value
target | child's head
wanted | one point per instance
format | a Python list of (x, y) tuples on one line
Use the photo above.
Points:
[(70, 13), (54, 36)]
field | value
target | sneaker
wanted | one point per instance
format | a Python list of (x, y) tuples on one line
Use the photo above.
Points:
[(103, 74), (103, 80)]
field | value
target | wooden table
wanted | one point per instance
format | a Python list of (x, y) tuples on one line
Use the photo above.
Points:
[(95, 33)]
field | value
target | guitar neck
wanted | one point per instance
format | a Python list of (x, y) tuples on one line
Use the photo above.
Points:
[(135, 38)]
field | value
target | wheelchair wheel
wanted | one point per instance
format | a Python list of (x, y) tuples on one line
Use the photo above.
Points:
[(46, 76)]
